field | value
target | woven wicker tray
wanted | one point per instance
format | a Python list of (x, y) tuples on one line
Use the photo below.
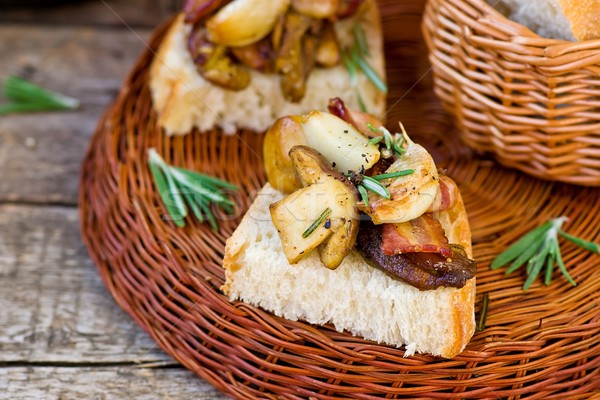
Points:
[(543, 343)]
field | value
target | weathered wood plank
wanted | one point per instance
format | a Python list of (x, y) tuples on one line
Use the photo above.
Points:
[(53, 306), (115, 383), (135, 13), (40, 154)]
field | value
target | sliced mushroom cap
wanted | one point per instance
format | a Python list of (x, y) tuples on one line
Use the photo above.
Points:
[(299, 219), (339, 142)]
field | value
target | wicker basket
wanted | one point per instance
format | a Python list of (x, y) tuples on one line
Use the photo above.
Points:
[(544, 343), (533, 102)]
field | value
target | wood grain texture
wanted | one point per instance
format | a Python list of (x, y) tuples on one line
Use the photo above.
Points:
[(113, 13), (40, 153), (105, 383), (54, 306)]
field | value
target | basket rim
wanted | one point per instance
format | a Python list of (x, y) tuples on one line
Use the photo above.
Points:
[(523, 33)]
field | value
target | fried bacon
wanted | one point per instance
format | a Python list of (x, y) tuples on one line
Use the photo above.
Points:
[(195, 10), (446, 196), (420, 235), (347, 8)]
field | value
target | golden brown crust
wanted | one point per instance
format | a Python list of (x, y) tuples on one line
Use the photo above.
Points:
[(456, 225), (463, 302), (584, 16)]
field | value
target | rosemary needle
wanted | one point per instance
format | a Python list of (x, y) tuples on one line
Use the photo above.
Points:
[(181, 189), (320, 219), (396, 174), (376, 187)]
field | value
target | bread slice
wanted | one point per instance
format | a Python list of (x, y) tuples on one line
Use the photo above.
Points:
[(558, 19), (183, 99), (355, 297)]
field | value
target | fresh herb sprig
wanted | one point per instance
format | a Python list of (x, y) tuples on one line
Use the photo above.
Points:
[(24, 96), (538, 249), (394, 144), (181, 188), (354, 59), (373, 183)]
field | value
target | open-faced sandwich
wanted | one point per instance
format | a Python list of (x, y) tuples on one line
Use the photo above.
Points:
[(357, 228), (241, 64)]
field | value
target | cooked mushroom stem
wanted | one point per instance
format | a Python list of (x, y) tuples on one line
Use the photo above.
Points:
[(328, 51), (213, 62), (341, 242), (289, 59), (222, 71)]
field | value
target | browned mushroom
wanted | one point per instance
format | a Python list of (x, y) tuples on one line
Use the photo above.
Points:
[(328, 51), (213, 63), (289, 63)]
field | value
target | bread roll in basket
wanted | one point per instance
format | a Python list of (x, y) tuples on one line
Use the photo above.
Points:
[(533, 102)]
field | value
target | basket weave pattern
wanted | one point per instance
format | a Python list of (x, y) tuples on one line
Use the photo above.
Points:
[(533, 102), (540, 344)]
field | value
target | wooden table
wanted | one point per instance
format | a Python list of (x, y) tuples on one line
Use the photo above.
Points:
[(61, 334)]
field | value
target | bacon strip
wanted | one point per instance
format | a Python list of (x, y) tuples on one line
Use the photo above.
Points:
[(424, 234), (358, 119), (446, 195), (195, 10)]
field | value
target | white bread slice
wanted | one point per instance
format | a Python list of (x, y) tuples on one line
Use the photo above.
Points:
[(558, 19), (355, 297), (183, 99)]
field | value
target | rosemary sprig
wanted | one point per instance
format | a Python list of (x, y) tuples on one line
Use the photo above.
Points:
[(24, 96), (316, 223), (393, 143), (181, 188), (352, 72), (373, 184), (538, 249), (354, 59)]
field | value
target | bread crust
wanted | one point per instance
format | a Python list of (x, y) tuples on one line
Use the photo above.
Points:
[(184, 100), (455, 222), (584, 16)]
